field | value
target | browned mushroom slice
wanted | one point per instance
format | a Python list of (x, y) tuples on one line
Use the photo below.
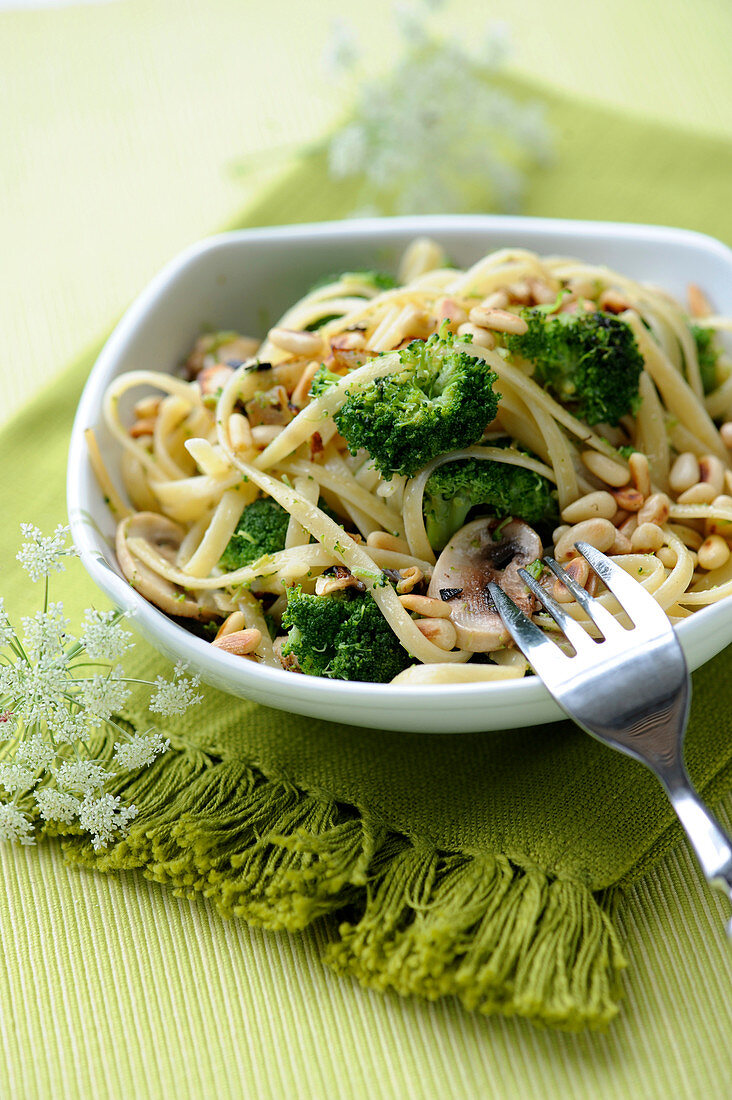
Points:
[(483, 551), (165, 537)]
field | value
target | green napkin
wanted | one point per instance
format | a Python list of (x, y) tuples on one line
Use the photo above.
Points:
[(484, 865)]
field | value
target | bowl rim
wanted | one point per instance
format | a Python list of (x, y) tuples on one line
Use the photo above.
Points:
[(527, 691)]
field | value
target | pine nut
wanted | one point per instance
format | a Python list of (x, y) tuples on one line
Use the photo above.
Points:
[(447, 309), (264, 434), (348, 341), (559, 532), (213, 379), (481, 336), (699, 304), (241, 643), (622, 544), (425, 605), (613, 301), (299, 396), (711, 472), (142, 427), (701, 493), (684, 473), (600, 533), (655, 509), (381, 540), (604, 468), (630, 500), (520, 292), (728, 481), (667, 556), (499, 320), (541, 292), (628, 526), (240, 433), (497, 300), (579, 570), (583, 288), (235, 621), (147, 408), (716, 525), (299, 343), (647, 536), (640, 472), (713, 552), (600, 504), (438, 631), (725, 431)]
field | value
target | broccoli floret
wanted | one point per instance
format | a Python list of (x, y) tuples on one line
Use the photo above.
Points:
[(707, 354), (441, 399), (589, 361), (323, 379), (343, 636), (503, 489), (261, 530)]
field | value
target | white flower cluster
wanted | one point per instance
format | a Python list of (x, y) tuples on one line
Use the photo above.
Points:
[(437, 134), (50, 708)]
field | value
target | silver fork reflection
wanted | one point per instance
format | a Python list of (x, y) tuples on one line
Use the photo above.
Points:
[(630, 690)]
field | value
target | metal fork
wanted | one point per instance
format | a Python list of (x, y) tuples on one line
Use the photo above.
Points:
[(630, 690)]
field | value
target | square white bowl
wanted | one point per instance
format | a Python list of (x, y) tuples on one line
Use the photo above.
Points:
[(244, 281)]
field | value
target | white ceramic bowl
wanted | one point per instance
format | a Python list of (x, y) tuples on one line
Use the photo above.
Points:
[(244, 281)]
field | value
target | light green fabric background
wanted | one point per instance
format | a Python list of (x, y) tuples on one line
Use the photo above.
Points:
[(108, 986)]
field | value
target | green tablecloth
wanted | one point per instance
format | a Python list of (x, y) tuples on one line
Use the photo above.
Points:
[(111, 987)]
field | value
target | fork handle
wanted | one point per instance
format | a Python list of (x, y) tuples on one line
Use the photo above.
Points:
[(709, 840)]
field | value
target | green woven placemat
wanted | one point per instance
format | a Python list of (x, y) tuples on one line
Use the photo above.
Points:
[(481, 865)]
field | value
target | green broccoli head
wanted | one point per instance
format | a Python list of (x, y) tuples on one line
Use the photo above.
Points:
[(261, 530), (504, 490), (342, 636), (376, 280), (589, 361), (440, 400), (707, 354)]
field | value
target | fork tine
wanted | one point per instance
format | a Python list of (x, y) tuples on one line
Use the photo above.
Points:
[(629, 594), (571, 629), (600, 616), (543, 654)]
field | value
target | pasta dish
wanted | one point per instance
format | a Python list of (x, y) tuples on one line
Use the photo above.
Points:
[(335, 498)]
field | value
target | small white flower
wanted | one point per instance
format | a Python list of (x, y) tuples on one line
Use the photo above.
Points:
[(14, 777), (6, 631), (41, 554), (140, 750), (35, 753), (8, 725), (103, 817), (56, 805), (174, 696), (68, 724), (103, 637), (14, 825), (341, 51), (81, 776), (103, 696), (37, 690), (46, 634)]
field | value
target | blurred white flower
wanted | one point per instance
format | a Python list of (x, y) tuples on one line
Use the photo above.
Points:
[(42, 554), (140, 750)]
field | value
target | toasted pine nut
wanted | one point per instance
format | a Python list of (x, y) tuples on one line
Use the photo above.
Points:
[(622, 544), (600, 504), (558, 532), (699, 304), (613, 301), (579, 570), (655, 509), (620, 517), (666, 556), (600, 533), (630, 500), (447, 309), (499, 320), (382, 540), (142, 427), (583, 288), (607, 470), (299, 343), (240, 432), (241, 643), (348, 341), (438, 631), (497, 300), (640, 472), (481, 336), (713, 552), (425, 605), (711, 472), (541, 292), (684, 473), (647, 536), (213, 379), (235, 621), (629, 525), (263, 434), (701, 493), (299, 396), (520, 292), (725, 431), (147, 408), (410, 579), (716, 525), (728, 481)]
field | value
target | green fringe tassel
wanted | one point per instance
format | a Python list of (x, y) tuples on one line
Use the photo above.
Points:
[(501, 937)]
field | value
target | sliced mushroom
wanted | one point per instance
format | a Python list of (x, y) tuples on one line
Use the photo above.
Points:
[(483, 551), (165, 537)]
